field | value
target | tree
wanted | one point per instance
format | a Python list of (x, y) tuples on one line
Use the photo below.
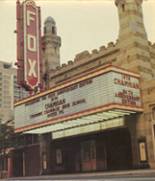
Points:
[(6, 135)]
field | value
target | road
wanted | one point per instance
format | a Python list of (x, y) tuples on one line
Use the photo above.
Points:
[(91, 178), (138, 175)]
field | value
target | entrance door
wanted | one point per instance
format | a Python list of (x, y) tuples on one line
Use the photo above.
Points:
[(18, 163), (32, 161), (88, 154), (66, 157), (118, 150)]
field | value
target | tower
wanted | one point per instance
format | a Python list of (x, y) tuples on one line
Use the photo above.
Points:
[(133, 42), (51, 48)]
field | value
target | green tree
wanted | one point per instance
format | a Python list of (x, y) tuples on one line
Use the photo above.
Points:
[(6, 134)]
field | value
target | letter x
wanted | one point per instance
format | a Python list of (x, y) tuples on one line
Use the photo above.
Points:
[(32, 71)]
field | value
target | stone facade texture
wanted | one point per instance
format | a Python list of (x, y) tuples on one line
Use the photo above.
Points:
[(131, 51)]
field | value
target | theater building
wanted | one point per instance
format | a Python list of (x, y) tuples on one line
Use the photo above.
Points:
[(99, 112), (84, 124)]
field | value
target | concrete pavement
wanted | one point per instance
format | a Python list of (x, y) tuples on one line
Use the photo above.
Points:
[(139, 175)]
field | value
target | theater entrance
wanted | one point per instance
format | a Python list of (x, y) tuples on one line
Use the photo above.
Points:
[(109, 150), (118, 148), (26, 161)]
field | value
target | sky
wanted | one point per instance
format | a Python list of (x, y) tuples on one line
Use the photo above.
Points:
[(81, 24)]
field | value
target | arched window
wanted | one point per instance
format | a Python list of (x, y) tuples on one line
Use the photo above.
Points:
[(123, 7), (53, 30)]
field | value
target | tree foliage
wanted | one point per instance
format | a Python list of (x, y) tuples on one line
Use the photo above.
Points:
[(6, 134)]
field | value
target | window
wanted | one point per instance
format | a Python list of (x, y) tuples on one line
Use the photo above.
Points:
[(53, 30), (153, 113), (123, 7), (7, 66)]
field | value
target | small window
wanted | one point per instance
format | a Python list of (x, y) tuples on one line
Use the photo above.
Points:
[(123, 7), (153, 113), (6, 66), (53, 30)]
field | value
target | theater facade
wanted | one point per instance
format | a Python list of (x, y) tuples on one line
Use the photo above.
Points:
[(84, 124), (98, 112)]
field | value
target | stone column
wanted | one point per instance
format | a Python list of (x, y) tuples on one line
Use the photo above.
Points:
[(131, 122), (148, 132), (141, 136), (10, 164)]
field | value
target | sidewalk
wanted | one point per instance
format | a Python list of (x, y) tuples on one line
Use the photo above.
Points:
[(138, 172), (141, 172)]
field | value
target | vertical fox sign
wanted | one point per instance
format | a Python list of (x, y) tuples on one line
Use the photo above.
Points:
[(28, 44)]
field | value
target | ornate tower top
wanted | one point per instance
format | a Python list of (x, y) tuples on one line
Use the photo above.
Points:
[(51, 53), (121, 2), (133, 40), (130, 17), (50, 26), (50, 20)]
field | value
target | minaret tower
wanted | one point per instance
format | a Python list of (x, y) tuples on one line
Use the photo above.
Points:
[(133, 42), (51, 48)]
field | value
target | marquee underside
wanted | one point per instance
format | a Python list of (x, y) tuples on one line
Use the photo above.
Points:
[(95, 122)]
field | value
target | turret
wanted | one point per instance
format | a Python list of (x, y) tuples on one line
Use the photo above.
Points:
[(51, 48), (130, 18), (133, 42)]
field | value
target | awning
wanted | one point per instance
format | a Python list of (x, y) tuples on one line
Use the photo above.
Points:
[(103, 120), (92, 127)]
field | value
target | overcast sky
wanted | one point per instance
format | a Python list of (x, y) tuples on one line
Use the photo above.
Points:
[(82, 25)]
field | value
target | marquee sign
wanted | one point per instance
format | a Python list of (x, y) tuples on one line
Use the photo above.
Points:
[(28, 44), (97, 91)]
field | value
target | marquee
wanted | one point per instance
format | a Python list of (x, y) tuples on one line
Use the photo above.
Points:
[(28, 44), (102, 90)]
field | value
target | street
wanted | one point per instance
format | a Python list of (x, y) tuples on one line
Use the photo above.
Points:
[(92, 178), (134, 175)]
